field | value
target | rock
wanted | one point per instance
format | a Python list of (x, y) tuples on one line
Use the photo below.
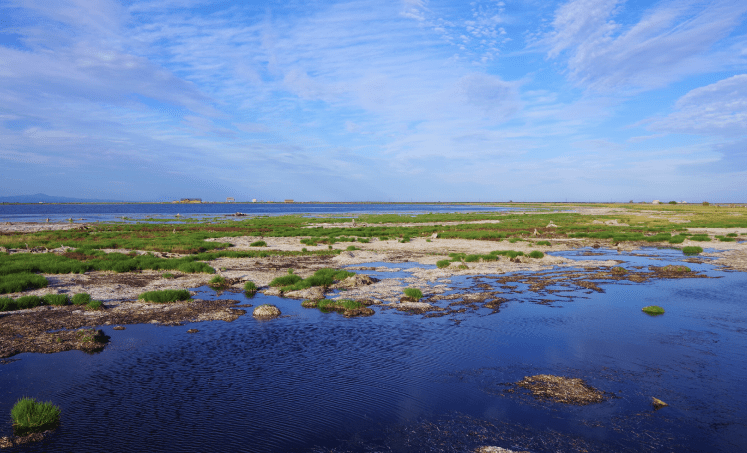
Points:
[(266, 311), (118, 328), (658, 404), (562, 389), (434, 236), (551, 225), (192, 331), (496, 450), (313, 293), (535, 232), (418, 307), (357, 280)]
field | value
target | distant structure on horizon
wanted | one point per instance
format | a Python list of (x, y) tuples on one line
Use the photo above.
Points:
[(189, 200), (229, 200), (656, 202), (289, 200), (254, 200)]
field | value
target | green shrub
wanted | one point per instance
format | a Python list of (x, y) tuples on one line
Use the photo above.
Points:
[(705, 203), (81, 299), (94, 305), (547, 243), (415, 293), (17, 282), (653, 310), (250, 287), (28, 302), (340, 304), (672, 202), (30, 415), (258, 244), (165, 295), (56, 299), (536, 254), (217, 282), (693, 250), (443, 263), (285, 280)]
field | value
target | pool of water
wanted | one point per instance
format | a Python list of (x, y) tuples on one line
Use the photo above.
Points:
[(313, 382)]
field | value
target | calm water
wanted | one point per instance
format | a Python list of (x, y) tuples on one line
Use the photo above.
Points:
[(312, 382), (114, 212)]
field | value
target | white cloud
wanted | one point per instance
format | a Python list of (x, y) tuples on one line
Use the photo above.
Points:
[(716, 109), (671, 40)]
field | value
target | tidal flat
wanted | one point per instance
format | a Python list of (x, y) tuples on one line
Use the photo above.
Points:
[(445, 372)]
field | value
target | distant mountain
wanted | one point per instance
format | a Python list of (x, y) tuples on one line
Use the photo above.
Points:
[(36, 198)]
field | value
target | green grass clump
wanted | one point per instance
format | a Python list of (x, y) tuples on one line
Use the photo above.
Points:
[(218, 282), (536, 254), (8, 304), (258, 244), (653, 310), (30, 415), (94, 305), (363, 240), (443, 263), (15, 283), (678, 239), (81, 299), (340, 304), (56, 299), (250, 287), (415, 293), (352, 248), (700, 238), (693, 250), (165, 295), (725, 239), (544, 243), (322, 277), (286, 280), (732, 235)]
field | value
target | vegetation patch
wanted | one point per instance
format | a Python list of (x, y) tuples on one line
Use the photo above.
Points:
[(443, 263), (700, 238), (81, 299), (30, 416), (653, 310), (536, 254), (15, 283), (692, 250), (94, 305), (347, 307), (218, 282), (258, 244), (676, 269), (21, 303), (165, 295), (413, 293), (250, 288), (56, 299), (547, 243), (619, 270), (322, 277)]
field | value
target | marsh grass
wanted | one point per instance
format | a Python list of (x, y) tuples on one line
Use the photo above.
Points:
[(167, 275), (94, 305), (547, 243), (15, 283), (322, 277), (218, 282), (443, 263), (165, 295), (653, 310), (619, 270), (700, 238), (250, 288), (339, 304), (692, 250), (81, 299), (258, 244), (57, 299), (414, 293), (536, 254), (21, 303), (351, 248), (30, 416)]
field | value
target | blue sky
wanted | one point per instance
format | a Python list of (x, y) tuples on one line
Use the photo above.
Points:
[(422, 100)]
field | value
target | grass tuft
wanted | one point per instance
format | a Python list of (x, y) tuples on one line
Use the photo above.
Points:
[(30, 415), (693, 250), (94, 305), (443, 263), (258, 244), (536, 254), (250, 287), (544, 243), (17, 282), (415, 293), (81, 299), (653, 310), (56, 299), (165, 295)]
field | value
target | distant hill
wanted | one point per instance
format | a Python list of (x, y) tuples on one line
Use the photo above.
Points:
[(36, 198)]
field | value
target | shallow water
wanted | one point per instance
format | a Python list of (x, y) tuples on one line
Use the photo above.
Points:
[(115, 212), (311, 381)]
